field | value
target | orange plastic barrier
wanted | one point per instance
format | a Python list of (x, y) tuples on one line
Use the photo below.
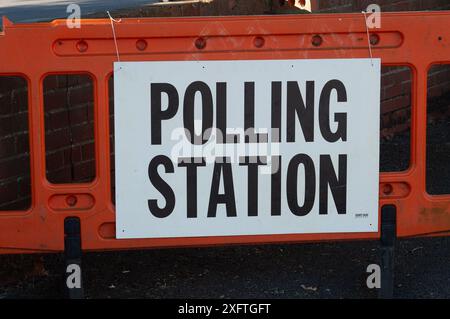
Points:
[(416, 40)]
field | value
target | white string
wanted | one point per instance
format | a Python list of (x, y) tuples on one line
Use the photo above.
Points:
[(368, 36), (114, 33)]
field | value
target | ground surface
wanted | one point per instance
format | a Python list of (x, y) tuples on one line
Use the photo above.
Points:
[(325, 270)]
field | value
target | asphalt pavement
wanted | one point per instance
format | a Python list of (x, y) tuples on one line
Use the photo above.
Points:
[(315, 270)]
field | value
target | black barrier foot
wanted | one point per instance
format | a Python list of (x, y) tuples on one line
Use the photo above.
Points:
[(388, 236), (72, 252)]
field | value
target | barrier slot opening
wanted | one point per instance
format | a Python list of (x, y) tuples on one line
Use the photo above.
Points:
[(395, 122), (69, 128), (438, 130), (15, 182)]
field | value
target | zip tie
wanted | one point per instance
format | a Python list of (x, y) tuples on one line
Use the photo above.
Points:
[(114, 33), (368, 37)]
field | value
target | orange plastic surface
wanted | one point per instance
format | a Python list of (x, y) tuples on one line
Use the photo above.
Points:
[(416, 40)]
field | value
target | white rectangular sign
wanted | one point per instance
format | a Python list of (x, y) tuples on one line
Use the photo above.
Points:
[(225, 148)]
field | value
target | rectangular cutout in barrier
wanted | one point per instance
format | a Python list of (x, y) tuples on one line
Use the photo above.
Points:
[(15, 186), (69, 128), (438, 130), (395, 137)]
